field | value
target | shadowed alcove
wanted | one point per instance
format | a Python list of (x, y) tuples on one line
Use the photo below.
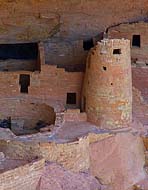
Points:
[(16, 57)]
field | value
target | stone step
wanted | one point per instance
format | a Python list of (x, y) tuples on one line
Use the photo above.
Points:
[(73, 111), (75, 115)]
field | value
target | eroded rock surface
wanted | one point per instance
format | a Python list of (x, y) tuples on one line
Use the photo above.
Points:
[(118, 161), (55, 177)]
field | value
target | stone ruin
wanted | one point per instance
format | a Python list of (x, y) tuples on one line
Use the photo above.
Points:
[(74, 95)]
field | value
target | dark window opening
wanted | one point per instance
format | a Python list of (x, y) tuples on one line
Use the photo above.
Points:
[(117, 51), (136, 41), (88, 44), (71, 98), (24, 82), (17, 57), (28, 51), (104, 68)]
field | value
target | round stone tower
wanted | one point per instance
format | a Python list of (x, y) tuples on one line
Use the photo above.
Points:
[(107, 90)]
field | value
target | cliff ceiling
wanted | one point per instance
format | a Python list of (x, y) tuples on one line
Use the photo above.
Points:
[(34, 20)]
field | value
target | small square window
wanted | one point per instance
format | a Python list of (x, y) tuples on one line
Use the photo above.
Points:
[(117, 51), (71, 98), (88, 44), (136, 41)]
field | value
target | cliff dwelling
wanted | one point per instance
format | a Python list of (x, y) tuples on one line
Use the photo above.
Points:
[(73, 95)]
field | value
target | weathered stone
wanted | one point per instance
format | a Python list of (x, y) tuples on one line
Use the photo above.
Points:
[(118, 161), (56, 177)]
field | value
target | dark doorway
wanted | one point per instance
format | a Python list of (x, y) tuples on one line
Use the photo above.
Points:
[(136, 42), (24, 82), (71, 98), (88, 44)]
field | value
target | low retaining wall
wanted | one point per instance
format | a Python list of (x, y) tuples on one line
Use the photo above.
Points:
[(74, 155), (23, 177)]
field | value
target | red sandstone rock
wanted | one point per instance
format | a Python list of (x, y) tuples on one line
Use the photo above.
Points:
[(56, 177), (35, 20), (118, 161)]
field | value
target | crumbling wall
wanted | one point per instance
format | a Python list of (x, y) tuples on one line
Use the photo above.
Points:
[(74, 155), (23, 177), (107, 92), (29, 113), (115, 159)]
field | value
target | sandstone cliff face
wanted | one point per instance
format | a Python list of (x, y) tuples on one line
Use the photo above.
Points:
[(75, 19)]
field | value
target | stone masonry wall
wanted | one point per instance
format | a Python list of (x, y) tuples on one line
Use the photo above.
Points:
[(23, 177), (140, 81), (139, 54), (107, 93), (87, 153), (56, 83), (65, 53), (74, 155), (140, 101), (50, 86), (15, 65)]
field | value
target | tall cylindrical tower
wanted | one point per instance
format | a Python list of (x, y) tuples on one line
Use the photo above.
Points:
[(107, 90)]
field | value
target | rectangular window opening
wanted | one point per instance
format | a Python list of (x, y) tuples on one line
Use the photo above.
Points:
[(117, 51), (71, 98), (19, 56), (24, 82), (136, 41), (26, 51)]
